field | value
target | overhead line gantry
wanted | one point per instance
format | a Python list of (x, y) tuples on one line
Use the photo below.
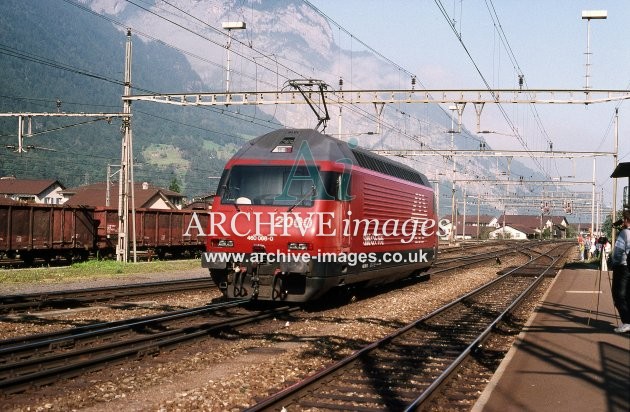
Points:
[(28, 116), (370, 96), (488, 153), (316, 92)]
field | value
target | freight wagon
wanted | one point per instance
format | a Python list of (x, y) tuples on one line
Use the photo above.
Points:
[(29, 231), (158, 231), (45, 232)]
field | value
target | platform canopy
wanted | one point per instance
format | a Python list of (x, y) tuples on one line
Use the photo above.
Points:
[(622, 170)]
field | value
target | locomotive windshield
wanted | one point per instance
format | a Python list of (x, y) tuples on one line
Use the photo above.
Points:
[(276, 185)]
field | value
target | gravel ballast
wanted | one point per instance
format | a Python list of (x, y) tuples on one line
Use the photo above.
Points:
[(237, 369)]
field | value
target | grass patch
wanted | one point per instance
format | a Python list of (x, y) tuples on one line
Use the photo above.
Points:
[(165, 155), (224, 152), (92, 270)]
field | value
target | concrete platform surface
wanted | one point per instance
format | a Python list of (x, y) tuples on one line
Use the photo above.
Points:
[(567, 358)]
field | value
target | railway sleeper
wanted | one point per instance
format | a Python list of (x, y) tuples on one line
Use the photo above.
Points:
[(62, 344), (152, 351)]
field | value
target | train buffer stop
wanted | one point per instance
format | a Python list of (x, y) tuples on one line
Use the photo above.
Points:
[(567, 358)]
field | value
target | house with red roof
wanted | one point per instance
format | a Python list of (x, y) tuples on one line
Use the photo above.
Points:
[(469, 227), (531, 226), (44, 191), (104, 195)]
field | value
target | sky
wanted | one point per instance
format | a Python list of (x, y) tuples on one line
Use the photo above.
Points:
[(546, 40), (548, 43)]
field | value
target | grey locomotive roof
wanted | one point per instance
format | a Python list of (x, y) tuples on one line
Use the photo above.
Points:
[(323, 148)]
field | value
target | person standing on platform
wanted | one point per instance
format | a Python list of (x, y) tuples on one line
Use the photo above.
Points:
[(621, 274), (605, 254)]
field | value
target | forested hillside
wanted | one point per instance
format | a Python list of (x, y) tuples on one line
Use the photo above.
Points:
[(53, 51)]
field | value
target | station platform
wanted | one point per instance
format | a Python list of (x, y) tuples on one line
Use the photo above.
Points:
[(567, 358)]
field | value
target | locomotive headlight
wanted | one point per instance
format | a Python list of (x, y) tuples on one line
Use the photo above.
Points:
[(225, 243), (283, 149), (299, 246)]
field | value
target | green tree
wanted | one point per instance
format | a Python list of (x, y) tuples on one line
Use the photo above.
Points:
[(484, 233), (174, 186), (607, 225)]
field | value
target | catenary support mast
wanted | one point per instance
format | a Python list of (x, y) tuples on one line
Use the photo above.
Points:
[(125, 185)]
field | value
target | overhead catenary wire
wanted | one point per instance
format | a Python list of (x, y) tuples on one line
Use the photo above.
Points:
[(364, 113), (7, 50), (393, 127), (191, 31), (506, 117), (205, 24), (516, 66), (376, 53)]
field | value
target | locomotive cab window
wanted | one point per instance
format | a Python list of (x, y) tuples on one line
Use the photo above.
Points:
[(342, 187), (277, 185)]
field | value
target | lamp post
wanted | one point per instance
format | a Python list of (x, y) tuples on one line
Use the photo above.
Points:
[(589, 15), (229, 26)]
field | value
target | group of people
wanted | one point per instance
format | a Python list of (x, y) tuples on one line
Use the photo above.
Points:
[(591, 247)]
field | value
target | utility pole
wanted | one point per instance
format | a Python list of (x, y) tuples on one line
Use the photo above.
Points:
[(593, 202), (614, 194), (589, 15), (464, 217), (340, 107), (478, 205), (125, 185), (109, 175), (453, 203)]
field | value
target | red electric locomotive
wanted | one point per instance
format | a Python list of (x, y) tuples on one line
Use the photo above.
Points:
[(299, 213)]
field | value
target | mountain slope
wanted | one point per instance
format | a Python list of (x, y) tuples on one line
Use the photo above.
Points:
[(74, 51), (38, 42)]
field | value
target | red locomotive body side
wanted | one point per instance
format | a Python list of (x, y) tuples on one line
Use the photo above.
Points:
[(389, 202), (341, 227)]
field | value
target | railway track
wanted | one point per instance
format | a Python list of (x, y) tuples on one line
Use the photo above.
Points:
[(84, 297), (45, 358), (406, 369), (447, 264), (61, 261), (465, 247)]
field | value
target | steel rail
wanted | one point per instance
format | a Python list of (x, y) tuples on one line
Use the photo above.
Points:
[(309, 384), (440, 380), (468, 261), (77, 297), (23, 374), (71, 336)]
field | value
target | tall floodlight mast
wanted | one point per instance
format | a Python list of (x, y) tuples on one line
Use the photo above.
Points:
[(229, 26), (589, 15)]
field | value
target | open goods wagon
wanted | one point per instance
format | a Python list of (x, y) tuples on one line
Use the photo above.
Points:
[(46, 232), (159, 232), (29, 231)]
